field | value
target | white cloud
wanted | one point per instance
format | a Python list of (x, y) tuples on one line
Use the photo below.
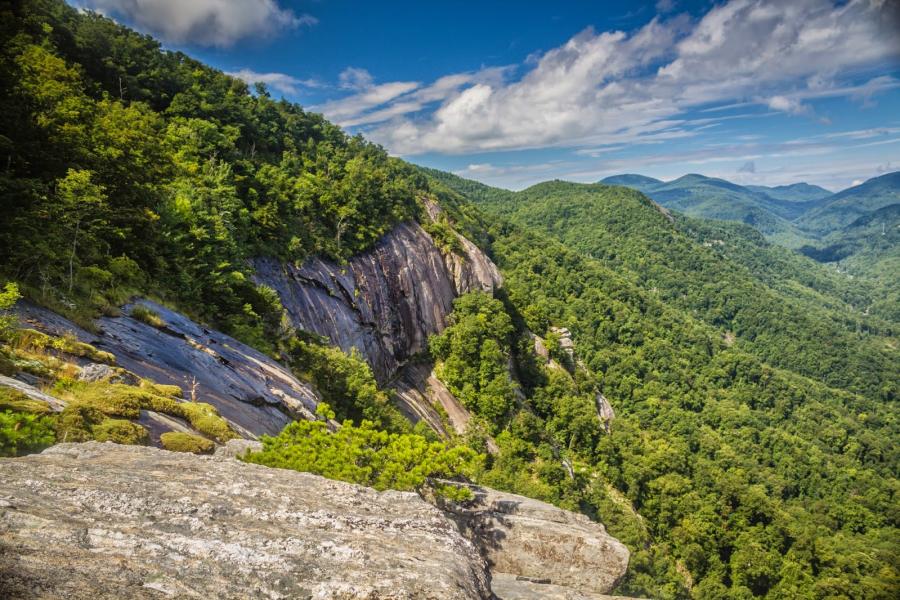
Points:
[(788, 105), (371, 103), (204, 22), (601, 88), (281, 82)]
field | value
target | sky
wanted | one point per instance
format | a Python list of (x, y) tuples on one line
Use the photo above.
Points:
[(764, 92)]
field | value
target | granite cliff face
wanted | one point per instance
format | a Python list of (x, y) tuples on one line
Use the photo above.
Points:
[(384, 302), (255, 393), (112, 521)]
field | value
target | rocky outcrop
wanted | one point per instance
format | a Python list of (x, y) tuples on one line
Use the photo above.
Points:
[(541, 544), (512, 587), (108, 521), (255, 393), (384, 302)]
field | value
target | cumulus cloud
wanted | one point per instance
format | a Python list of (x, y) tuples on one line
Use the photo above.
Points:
[(376, 103), (204, 22), (286, 84), (615, 87), (788, 105)]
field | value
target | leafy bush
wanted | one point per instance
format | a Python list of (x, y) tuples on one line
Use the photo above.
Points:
[(8, 298), (177, 441), (22, 433), (366, 455), (346, 383), (120, 431), (473, 355)]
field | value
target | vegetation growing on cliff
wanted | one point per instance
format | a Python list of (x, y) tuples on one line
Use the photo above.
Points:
[(152, 171), (367, 455)]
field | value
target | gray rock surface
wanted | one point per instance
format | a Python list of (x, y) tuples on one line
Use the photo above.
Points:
[(104, 521), (386, 301), (534, 540), (32, 392), (512, 587), (255, 393)]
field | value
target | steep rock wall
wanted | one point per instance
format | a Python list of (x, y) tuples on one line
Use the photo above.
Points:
[(384, 302), (255, 393)]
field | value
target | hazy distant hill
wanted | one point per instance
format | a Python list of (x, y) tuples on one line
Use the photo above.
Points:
[(795, 192), (711, 198), (845, 207)]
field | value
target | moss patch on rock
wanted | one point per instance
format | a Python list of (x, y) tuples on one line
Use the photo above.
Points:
[(177, 441), (16, 401), (120, 431)]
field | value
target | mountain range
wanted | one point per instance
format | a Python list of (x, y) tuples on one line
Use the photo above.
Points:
[(792, 215)]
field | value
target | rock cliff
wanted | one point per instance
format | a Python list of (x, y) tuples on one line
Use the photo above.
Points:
[(255, 393), (384, 302), (108, 521)]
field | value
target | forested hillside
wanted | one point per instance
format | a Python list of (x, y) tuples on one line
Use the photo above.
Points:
[(752, 453), (132, 168), (845, 207), (682, 319)]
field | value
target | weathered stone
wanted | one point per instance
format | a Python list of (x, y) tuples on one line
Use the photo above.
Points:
[(93, 372), (384, 302), (540, 542), (108, 521), (237, 448), (512, 587)]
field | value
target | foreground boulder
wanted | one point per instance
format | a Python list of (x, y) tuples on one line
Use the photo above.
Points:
[(108, 521), (536, 548)]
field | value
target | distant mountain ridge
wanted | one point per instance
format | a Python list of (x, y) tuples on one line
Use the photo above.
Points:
[(845, 207), (795, 192), (792, 215), (708, 197)]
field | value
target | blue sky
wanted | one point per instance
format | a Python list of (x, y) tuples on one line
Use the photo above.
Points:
[(755, 91)]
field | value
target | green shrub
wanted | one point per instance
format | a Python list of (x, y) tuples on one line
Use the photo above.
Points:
[(345, 382), (22, 433), (177, 441), (120, 431), (366, 455), (147, 315), (8, 298), (76, 422)]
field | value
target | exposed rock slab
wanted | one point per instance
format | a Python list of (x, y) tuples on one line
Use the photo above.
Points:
[(419, 392), (384, 302), (32, 392), (539, 542), (255, 393), (109, 521), (511, 587)]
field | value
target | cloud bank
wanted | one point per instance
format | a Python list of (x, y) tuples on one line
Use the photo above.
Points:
[(602, 88)]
